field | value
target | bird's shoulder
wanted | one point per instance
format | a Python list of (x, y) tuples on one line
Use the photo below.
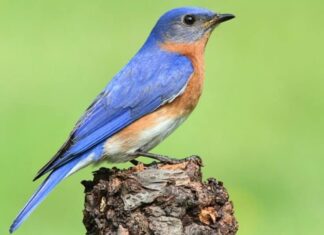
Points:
[(147, 82)]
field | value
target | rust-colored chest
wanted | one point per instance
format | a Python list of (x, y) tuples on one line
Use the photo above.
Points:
[(151, 129), (185, 103)]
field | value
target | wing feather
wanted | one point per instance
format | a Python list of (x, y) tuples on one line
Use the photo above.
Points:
[(141, 87)]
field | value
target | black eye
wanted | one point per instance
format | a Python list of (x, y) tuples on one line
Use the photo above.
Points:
[(189, 19)]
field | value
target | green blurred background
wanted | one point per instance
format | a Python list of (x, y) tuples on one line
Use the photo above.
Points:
[(259, 125)]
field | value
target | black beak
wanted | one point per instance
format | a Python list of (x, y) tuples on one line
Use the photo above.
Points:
[(217, 19), (220, 18)]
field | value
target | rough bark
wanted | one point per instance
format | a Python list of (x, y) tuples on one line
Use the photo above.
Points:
[(166, 199)]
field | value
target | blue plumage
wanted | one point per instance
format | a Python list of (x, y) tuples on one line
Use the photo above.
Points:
[(152, 78), (142, 86), (44, 189)]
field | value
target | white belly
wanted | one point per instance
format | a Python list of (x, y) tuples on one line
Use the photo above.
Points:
[(120, 149)]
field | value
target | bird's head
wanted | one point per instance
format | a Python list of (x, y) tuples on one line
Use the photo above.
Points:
[(187, 25)]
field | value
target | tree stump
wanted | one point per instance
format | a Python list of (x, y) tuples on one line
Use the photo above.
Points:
[(159, 198)]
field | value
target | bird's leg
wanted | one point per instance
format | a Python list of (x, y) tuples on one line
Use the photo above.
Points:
[(163, 158), (158, 157)]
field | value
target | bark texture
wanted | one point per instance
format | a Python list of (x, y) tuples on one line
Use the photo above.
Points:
[(159, 198)]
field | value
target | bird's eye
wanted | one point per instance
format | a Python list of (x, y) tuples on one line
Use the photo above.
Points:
[(189, 19)]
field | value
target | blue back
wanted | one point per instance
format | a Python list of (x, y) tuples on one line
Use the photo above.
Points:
[(141, 87)]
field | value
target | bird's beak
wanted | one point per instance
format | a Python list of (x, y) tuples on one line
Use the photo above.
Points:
[(219, 18)]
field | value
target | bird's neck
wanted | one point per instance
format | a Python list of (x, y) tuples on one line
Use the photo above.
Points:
[(194, 51)]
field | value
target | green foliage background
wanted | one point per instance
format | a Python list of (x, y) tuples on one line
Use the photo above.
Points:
[(259, 125)]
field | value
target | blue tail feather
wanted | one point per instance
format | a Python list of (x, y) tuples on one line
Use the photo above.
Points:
[(45, 188)]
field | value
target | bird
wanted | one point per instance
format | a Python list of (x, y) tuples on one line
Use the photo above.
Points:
[(143, 103)]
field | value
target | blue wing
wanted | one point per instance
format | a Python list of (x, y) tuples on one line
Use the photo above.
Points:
[(141, 87)]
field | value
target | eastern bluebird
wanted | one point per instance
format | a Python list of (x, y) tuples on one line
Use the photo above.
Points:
[(145, 102)]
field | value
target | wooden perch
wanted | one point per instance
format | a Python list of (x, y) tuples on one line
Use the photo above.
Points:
[(159, 198)]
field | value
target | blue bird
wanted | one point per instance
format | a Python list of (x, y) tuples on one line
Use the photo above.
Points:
[(143, 103)]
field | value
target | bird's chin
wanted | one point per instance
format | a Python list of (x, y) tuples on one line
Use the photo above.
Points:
[(210, 29)]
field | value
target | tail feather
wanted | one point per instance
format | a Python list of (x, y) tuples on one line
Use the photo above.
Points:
[(45, 188)]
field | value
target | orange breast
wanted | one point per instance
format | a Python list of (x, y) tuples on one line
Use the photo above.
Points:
[(195, 52), (129, 139), (185, 103)]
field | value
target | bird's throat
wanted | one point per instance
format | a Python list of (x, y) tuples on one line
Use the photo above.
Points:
[(194, 51)]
